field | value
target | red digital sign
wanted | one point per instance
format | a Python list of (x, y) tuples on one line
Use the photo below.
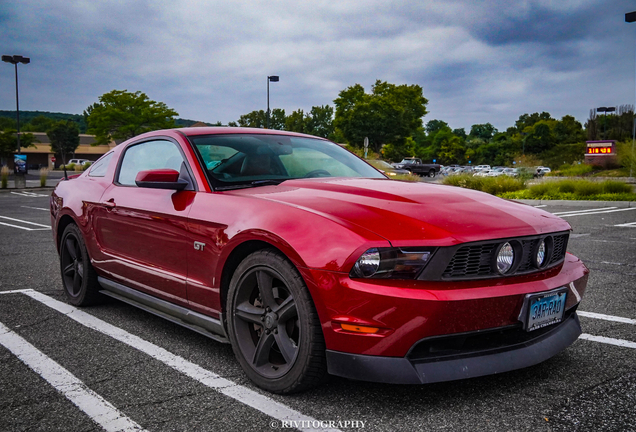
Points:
[(599, 150)]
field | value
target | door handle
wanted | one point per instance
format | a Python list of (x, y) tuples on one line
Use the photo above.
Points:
[(110, 204)]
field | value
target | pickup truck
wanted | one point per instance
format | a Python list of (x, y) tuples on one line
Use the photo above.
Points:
[(416, 166)]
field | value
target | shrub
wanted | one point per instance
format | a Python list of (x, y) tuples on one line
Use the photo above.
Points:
[(541, 190), (567, 186), (587, 188), (572, 170), (69, 167), (78, 167), (613, 186), (44, 173), (4, 177), (491, 185)]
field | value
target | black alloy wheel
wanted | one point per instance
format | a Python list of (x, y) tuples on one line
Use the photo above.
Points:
[(273, 325), (78, 275)]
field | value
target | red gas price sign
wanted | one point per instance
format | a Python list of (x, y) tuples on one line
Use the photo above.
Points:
[(599, 150)]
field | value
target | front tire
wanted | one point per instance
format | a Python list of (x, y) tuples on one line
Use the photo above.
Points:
[(273, 325), (78, 275)]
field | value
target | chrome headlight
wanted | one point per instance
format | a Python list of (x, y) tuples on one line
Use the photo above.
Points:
[(394, 263), (505, 258)]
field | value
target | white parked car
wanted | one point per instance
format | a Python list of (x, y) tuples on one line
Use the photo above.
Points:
[(79, 161), (479, 168)]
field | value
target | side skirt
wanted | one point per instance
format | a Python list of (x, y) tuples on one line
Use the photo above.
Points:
[(197, 322)]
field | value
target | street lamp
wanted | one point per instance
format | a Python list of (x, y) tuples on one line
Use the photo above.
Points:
[(630, 17), (14, 60), (605, 110), (273, 78)]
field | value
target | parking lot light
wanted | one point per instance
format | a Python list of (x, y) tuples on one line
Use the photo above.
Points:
[(272, 78), (14, 60), (630, 17)]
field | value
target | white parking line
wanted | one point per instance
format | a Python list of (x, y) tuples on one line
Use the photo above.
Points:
[(607, 317), (541, 206), (229, 388), (596, 212), (46, 227), (602, 339), (96, 407), (29, 194), (583, 211), (36, 208), (630, 224)]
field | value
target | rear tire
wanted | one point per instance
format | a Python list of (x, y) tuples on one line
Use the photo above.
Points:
[(78, 275), (273, 325), (431, 173)]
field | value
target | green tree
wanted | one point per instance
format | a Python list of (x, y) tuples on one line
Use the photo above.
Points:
[(7, 123), (120, 115), (258, 119), (540, 137), (297, 121), (320, 122), (9, 142), (529, 120), (568, 131), (38, 124), (64, 138), (389, 114), (483, 131)]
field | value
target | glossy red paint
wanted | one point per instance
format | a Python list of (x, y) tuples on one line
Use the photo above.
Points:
[(158, 175), (144, 239)]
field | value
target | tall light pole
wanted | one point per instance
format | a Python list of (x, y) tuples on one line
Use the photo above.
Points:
[(14, 60), (630, 17), (605, 110), (273, 78)]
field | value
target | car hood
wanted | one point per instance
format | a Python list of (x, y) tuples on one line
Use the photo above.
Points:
[(407, 213)]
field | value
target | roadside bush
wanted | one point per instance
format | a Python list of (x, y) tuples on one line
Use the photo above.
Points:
[(69, 167), (613, 186), (44, 173), (406, 177), (572, 171), (491, 185), (78, 167), (586, 189), (4, 177)]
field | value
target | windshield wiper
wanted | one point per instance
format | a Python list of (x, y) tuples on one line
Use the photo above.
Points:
[(252, 184)]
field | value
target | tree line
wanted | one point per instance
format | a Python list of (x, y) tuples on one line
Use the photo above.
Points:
[(389, 115)]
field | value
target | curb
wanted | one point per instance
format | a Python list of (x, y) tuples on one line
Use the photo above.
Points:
[(579, 203)]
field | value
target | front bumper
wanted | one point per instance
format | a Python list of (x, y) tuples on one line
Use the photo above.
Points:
[(416, 368)]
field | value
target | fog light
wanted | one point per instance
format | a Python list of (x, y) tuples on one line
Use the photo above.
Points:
[(540, 258), (505, 258)]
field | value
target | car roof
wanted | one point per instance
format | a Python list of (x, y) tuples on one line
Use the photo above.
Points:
[(226, 130)]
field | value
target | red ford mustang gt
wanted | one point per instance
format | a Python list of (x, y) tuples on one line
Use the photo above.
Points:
[(310, 261)]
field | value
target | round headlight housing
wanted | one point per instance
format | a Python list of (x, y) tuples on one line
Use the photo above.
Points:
[(368, 263), (542, 252), (505, 258)]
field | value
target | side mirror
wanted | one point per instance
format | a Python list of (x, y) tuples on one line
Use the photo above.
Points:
[(160, 179)]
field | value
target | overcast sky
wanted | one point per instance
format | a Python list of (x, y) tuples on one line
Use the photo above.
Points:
[(477, 61)]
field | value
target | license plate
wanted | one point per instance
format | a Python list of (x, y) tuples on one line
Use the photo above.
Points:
[(545, 309)]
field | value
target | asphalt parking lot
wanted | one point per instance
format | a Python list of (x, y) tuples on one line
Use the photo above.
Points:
[(118, 366)]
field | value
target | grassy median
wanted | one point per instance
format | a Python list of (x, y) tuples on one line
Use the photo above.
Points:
[(511, 188)]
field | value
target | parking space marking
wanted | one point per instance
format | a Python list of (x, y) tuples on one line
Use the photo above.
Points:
[(611, 341), (229, 388), (46, 227), (631, 224), (541, 206), (596, 212), (583, 211), (607, 317), (96, 407), (29, 194), (35, 208)]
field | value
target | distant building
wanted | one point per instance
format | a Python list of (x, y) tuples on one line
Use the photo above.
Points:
[(41, 156)]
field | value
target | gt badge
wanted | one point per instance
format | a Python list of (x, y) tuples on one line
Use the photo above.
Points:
[(199, 246)]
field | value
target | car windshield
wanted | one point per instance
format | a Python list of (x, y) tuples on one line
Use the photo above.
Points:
[(240, 160), (407, 161)]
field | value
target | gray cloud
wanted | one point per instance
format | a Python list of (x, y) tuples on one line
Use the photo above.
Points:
[(477, 61)]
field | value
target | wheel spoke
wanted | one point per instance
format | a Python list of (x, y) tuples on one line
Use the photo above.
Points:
[(77, 283), (250, 313), (287, 347), (286, 310), (263, 349), (70, 247), (265, 282), (69, 270)]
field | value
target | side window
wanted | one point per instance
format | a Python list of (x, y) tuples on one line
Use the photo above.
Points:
[(148, 155), (99, 168)]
